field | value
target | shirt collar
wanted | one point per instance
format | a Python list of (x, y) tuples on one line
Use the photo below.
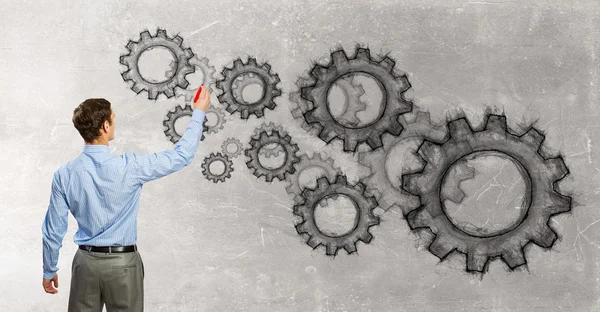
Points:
[(96, 148)]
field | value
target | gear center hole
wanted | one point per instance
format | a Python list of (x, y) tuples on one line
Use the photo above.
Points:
[(154, 64), (484, 193), (355, 100), (211, 119), (336, 217), (271, 156), (181, 124), (248, 89), (217, 167)]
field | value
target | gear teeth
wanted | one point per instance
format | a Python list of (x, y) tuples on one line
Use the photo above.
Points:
[(513, 257), (313, 242), (460, 129), (319, 72), (388, 64), (225, 72), (419, 218), (145, 35), (339, 58), (350, 248), (556, 168), (178, 40), (430, 151), (373, 141), (350, 143), (496, 123), (545, 237), (410, 182), (161, 33), (327, 135), (366, 237), (441, 247), (137, 88), (362, 53), (238, 63), (252, 61), (559, 203), (331, 250), (152, 94), (476, 261), (266, 67), (534, 138)]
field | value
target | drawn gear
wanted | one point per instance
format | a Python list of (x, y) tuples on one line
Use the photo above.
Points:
[(217, 177), (220, 119), (365, 217), (293, 186), (147, 42), (269, 83), (208, 77), (290, 158), (542, 174), (229, 141), (387, 189), (171, 118), (394, 87), (270, 150)]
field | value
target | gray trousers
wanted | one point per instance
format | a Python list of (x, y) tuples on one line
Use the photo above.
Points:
[(114, 279)]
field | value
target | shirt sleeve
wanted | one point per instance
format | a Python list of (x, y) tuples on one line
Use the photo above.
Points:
[(54, 228), (149, 167)]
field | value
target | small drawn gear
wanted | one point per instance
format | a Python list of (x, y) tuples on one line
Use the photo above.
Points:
[(171, 118), (269, 92), (234, 141), (387, 189), (352, 102), (147, 41), (269, 150), (290, 157), (364, 217), (542, 173), (220, 119), (208, 76), (393, 88), (293, 180), (217, 177)]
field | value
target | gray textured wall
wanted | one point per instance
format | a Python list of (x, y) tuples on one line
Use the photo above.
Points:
[(232, 246)]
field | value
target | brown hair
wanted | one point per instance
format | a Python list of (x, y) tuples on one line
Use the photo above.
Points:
[(89, 117)]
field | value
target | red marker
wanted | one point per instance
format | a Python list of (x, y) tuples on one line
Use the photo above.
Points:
[(198, 94)]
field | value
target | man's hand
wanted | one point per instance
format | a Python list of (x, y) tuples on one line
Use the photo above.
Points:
[(48, 284), (202, 99)]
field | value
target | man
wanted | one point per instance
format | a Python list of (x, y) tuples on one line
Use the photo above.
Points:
[(102, 192)]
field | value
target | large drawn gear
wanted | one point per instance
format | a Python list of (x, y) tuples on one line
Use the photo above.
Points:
[(171, 118), (394, 103), (290, 155), (545, 202), (386, 189), (269, 83), (208, 76), (293, 180), (220, 119), (235, 141), (146, 42), (217, 177), (365, 217), (270, 150), (352, 102)]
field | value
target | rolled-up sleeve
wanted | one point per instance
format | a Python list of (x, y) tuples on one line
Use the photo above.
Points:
[(54, 228)]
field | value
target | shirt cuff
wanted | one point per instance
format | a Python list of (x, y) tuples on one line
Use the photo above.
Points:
[(49, 275)]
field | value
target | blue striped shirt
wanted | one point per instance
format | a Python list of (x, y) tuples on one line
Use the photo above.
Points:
[(102, 191)]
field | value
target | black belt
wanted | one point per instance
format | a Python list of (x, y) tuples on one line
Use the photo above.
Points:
[(109, 249)]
